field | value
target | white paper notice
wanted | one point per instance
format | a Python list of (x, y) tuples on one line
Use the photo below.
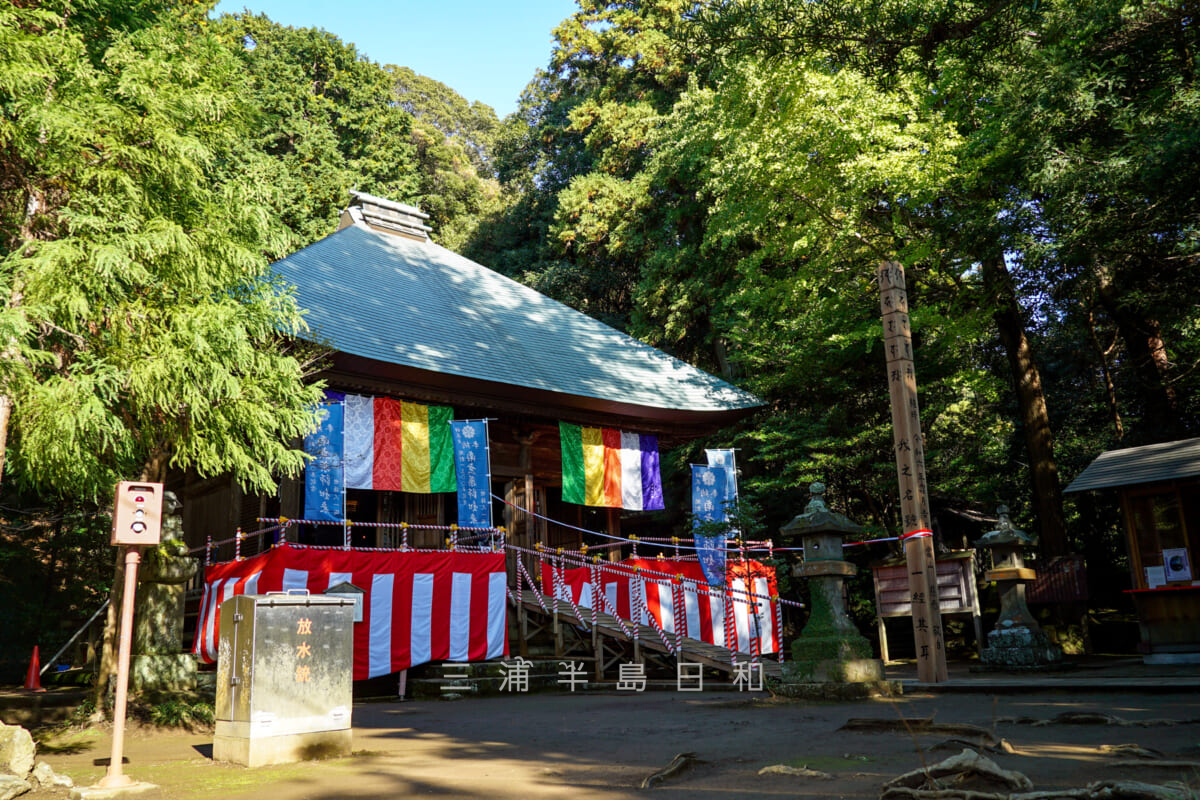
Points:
[(1155, 577)]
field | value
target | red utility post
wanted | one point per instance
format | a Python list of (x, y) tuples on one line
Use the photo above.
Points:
[(137, 522)]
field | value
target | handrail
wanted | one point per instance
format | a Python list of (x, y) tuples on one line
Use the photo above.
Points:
[(71, 641), (491, 540)]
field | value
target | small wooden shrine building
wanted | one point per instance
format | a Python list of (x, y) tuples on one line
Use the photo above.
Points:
[(409, 319), (1159, 489)]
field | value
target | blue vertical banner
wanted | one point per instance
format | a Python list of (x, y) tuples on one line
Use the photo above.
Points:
[(472, 463), (324, 493), (726, 460), (710, 492)]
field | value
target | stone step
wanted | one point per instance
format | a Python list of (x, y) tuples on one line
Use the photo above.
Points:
[(450, 688), (477, 669), (480, 678), (30, 710)]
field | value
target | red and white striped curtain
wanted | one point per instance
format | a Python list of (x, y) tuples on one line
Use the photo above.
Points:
[(751, 590), (417, 607)]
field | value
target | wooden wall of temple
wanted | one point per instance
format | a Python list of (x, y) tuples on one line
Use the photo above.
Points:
[(526, 465)]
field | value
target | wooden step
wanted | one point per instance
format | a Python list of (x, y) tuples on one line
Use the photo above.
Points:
[(710, 655)]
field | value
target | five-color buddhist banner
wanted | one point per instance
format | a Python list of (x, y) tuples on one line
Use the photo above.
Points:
[(394, 445), (610, 468)]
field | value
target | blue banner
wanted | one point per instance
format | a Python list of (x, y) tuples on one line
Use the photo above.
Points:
[(474, 469), (323, 489), (710, 492), (725, 459)]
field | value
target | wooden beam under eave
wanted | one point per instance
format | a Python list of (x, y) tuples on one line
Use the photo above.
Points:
[(491, 398)]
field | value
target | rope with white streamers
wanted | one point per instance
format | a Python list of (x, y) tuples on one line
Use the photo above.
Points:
[(562, 588), (537, 593), (653, 622)]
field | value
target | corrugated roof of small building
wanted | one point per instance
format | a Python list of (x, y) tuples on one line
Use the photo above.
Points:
[(414, 303), (1152, 463)]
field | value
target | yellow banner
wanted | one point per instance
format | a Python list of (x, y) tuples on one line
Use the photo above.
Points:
[(414, 428), (593, 466)]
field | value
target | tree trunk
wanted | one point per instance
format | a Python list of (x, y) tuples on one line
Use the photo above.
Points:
[(1035, 420), (1110, 391), (1148, 354), (6, 405), (108, 640)]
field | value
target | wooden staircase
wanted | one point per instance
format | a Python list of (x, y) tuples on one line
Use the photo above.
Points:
[(607, 645)]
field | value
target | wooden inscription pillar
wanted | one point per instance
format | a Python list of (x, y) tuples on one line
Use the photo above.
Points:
[(910, 469)]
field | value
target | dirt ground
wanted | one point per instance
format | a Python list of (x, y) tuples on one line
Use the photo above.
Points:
[(602, 745)]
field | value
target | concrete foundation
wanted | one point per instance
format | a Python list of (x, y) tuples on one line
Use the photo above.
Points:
[(261, 751), (131, 789)]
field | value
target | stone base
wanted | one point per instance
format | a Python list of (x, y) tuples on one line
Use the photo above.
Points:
[(1020, 646), (1171, 658), (162, 673), (261, 751), (858, 670), (131, 789), (836, 646), (835, 691), (1018, 669)]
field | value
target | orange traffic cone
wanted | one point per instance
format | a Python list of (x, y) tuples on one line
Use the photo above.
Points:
[(33, 679)]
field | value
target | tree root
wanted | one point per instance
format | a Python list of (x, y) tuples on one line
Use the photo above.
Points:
[(678, 765), (965, 766), (799, 772), (923, 725), (1131, 749), (1102, 790), (1000, 747), (1089, 718), (943, 781), (1141, 762)]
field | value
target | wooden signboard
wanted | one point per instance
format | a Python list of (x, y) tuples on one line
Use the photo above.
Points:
[(910, 469), (957, 593)]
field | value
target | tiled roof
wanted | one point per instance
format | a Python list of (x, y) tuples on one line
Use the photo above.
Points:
[(1151, 463), (417, 304)]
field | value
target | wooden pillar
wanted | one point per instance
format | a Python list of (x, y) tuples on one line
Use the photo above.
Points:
[(523, 617), (289, 498), (916, 533), (531, 526), (236, 498)]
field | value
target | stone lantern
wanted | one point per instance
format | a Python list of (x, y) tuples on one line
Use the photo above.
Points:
[(830, 649), (1017, 640), (157, 663)]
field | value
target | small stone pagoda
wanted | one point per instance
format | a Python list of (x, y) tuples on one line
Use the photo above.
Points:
[(1017, 641), (830, 659)]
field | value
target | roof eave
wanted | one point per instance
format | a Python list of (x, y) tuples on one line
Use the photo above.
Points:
[(372, 375)]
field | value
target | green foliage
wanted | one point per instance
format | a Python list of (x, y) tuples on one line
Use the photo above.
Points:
[(55, 571), (179, 713), (473, 126), (142, 328), (326, 117), (722, 178)]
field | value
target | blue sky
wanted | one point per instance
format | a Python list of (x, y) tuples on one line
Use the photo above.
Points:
[(486, 50)]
